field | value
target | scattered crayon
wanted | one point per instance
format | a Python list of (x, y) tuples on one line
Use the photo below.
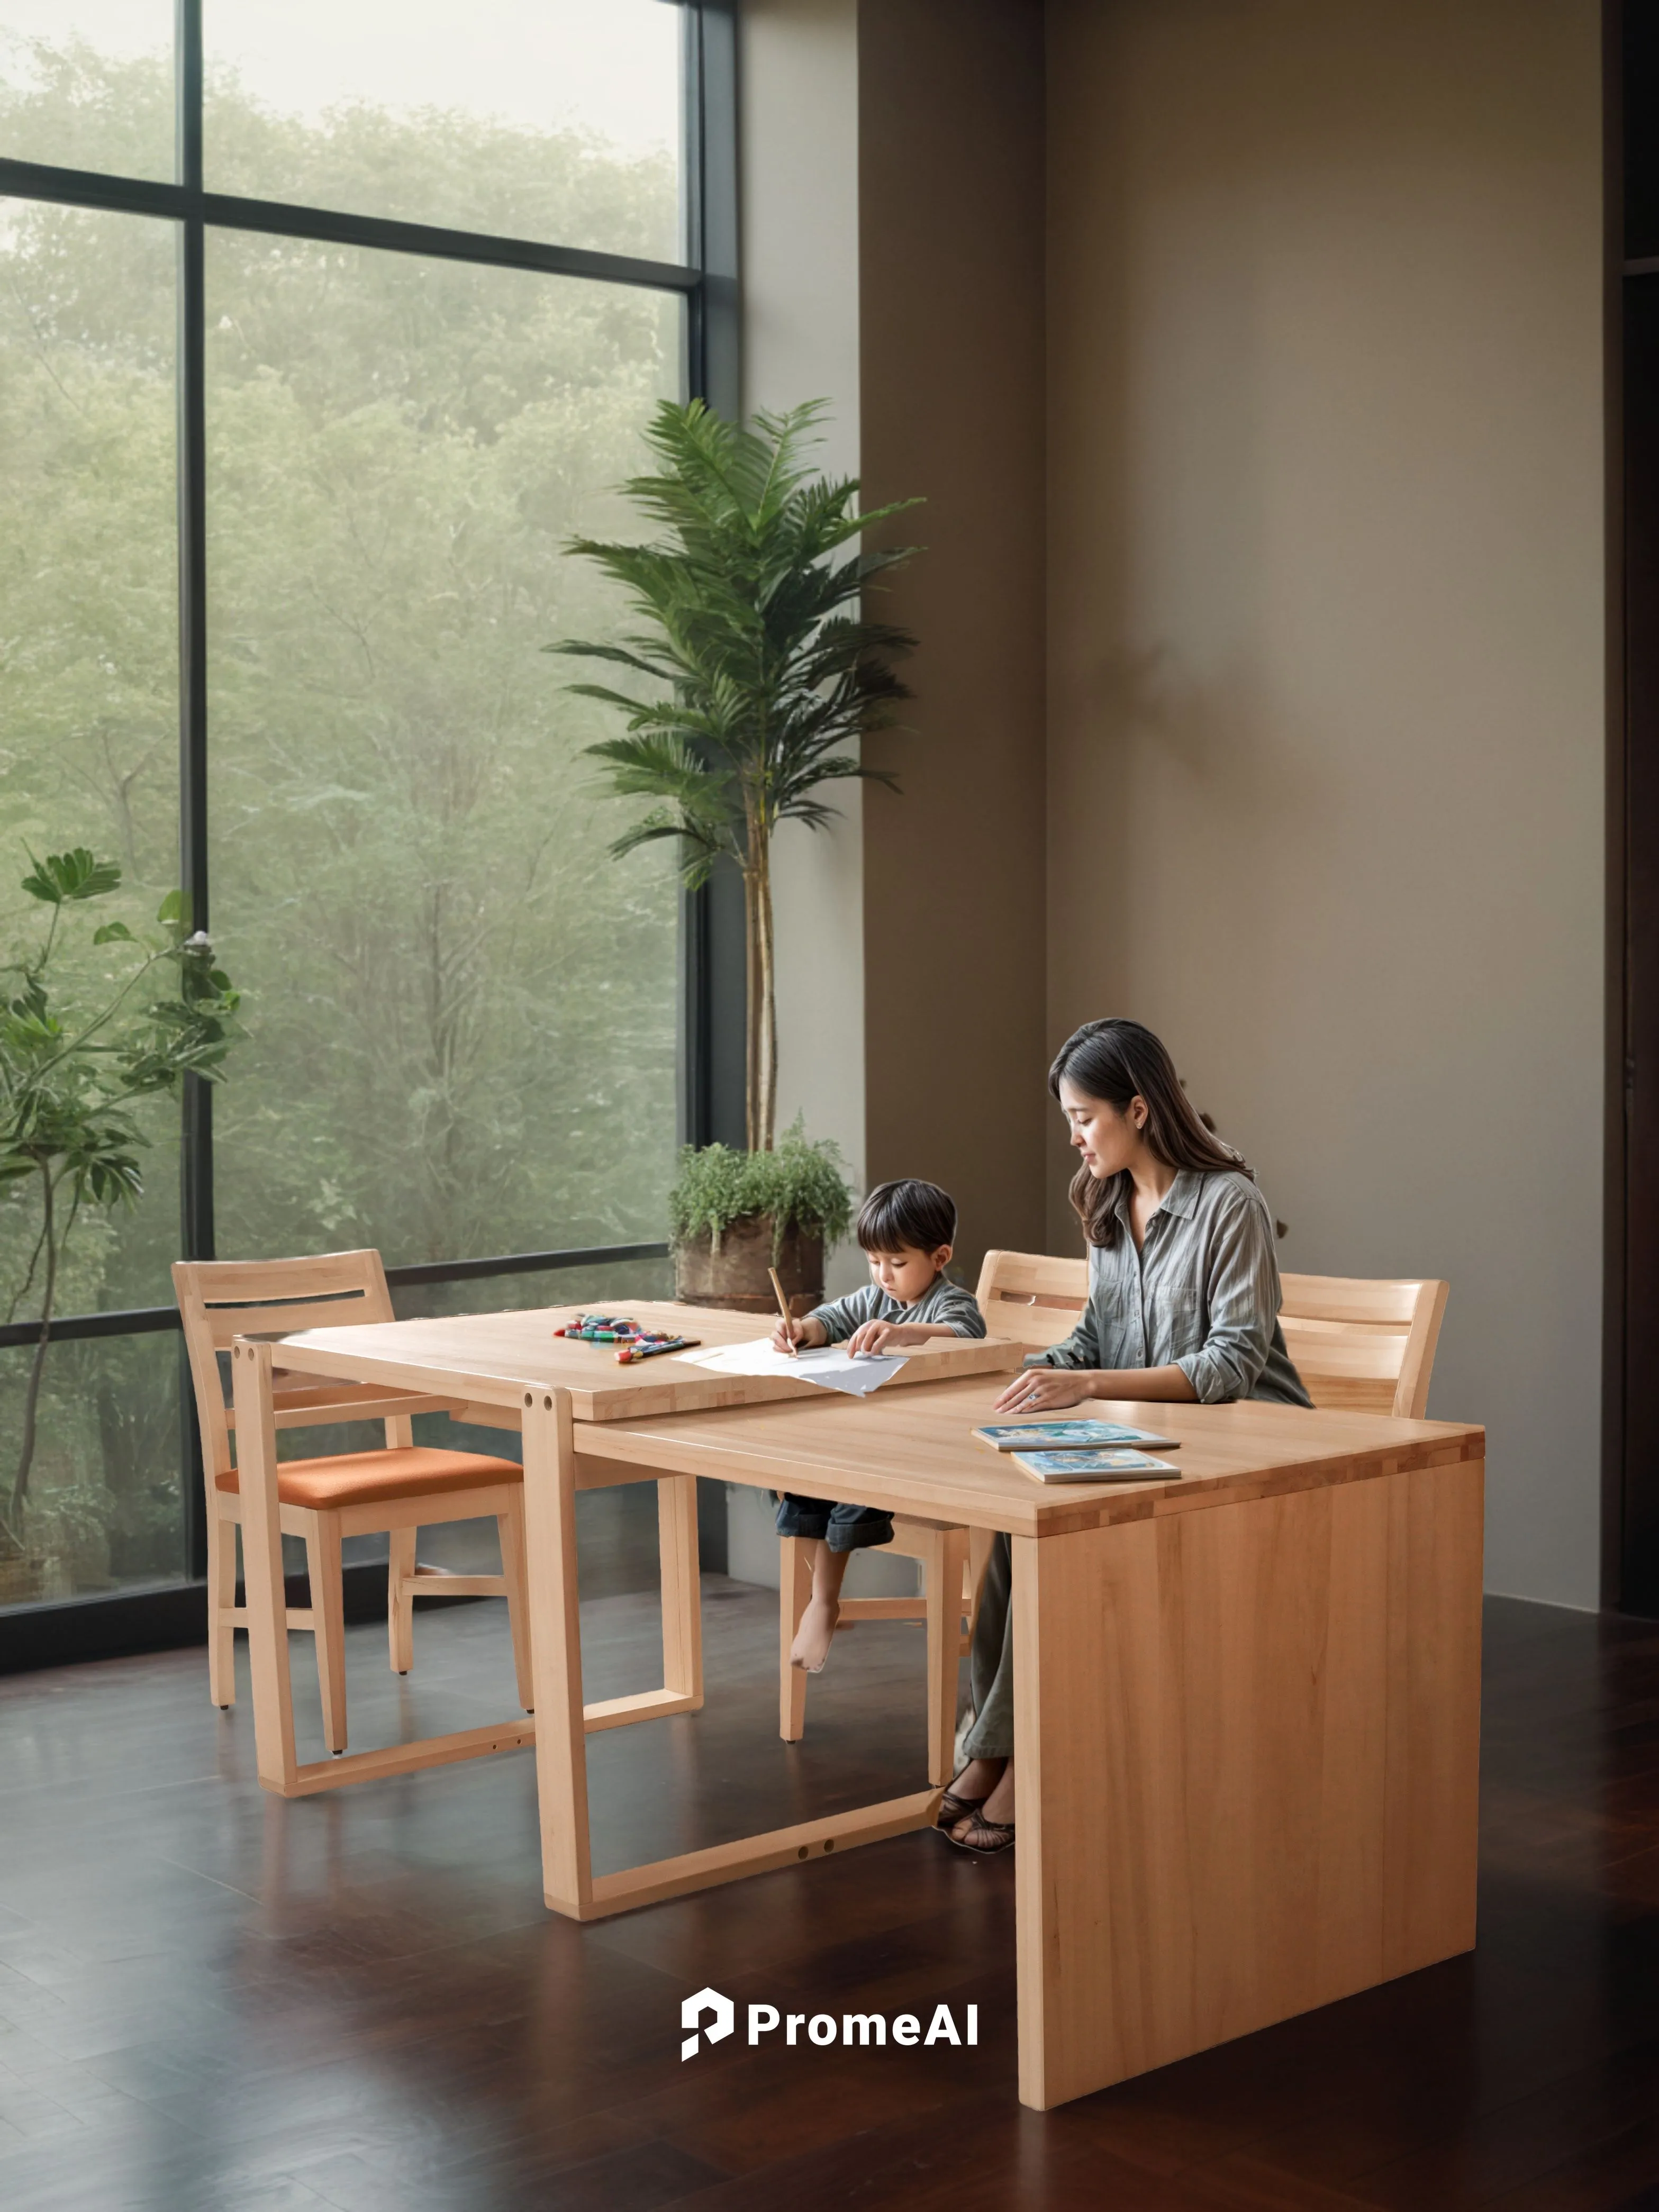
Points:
[(602, 1328), (633, 1340)]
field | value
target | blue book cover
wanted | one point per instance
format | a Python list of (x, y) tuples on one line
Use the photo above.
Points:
[(1095, 1467), (1071, 1436)]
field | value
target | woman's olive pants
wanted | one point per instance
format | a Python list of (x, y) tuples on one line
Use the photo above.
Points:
[(991, 1661)]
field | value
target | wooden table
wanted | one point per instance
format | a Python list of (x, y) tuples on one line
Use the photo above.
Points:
[(492, 1366), (1247, 1706)]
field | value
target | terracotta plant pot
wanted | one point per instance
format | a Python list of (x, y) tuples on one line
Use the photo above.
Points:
[(735, 1278)]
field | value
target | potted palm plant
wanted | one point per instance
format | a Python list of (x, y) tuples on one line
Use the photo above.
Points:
[(762, 672)]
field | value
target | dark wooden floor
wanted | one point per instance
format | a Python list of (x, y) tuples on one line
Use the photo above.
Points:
[(212, 1999)]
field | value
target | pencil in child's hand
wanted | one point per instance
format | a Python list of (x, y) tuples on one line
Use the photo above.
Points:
[(783, 1308)]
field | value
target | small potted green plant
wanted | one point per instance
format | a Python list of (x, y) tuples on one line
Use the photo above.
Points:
[(74, 1062), (763, 673), (732, 1215)]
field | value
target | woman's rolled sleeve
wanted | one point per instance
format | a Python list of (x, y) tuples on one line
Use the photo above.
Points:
[(1080, 1349), (1242, 1295)]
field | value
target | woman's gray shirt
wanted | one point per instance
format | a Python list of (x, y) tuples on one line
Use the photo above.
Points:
[(1202, 1294)]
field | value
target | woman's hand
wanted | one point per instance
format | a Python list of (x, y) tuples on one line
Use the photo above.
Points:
[(885, 1336), (1046, 1390)]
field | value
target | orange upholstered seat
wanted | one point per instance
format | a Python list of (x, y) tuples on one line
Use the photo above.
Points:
[(400, 1490), (372, 1477)]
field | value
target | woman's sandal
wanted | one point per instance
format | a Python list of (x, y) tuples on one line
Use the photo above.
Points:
[(953, 1809), (985, 1838)]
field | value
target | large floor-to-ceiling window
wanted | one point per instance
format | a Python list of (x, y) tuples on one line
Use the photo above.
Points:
[(324, 326)]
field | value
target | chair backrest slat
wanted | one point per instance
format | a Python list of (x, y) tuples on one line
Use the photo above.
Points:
[(1358, 1345), (285, 1316), (1032, 1297), (1382, 1302), (221, 1299)]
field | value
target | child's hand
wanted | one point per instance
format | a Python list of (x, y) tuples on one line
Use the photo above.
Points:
[(883, 1336), (793, 1335)]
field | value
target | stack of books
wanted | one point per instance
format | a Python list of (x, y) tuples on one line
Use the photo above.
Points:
[(1084, 1451)]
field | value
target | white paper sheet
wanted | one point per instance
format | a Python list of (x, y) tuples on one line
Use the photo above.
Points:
[(832, 1365)]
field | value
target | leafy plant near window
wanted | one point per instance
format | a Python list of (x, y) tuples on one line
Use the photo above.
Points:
[(799, 1185), (70, 1074), (763, 671)]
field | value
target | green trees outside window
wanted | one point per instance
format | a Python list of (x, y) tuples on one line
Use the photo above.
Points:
[(460, 1019)]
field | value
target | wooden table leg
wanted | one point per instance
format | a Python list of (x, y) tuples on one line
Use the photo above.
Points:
[(562, 1725), (556, 1651), (262, 1566), (1246, 1769), (794, 1589), (681, 1590)]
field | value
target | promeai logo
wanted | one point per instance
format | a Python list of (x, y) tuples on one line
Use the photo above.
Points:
[(691, 2013), (865, 2030)]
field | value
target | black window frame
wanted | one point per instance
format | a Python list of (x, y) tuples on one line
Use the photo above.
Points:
[(711, 979)]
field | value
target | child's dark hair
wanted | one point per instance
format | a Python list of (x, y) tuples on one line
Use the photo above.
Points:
[(906, 1216)]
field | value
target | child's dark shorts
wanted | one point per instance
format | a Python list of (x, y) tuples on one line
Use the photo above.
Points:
[(848, 1528)]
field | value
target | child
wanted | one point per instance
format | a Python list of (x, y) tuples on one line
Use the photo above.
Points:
[(907, 1229)]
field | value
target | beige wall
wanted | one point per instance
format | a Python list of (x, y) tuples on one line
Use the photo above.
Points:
[(798, 65), (950, 221), (1325, 571), (1322, 788), (892, 218)]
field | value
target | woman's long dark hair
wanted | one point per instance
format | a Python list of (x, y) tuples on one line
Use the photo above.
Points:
[(1118, 1061)]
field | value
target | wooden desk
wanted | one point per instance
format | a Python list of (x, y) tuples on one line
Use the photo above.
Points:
[(1248, 1705), (489, 1361), (492, 1366)]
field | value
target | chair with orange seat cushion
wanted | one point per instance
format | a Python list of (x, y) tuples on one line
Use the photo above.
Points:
[(398, 1489)]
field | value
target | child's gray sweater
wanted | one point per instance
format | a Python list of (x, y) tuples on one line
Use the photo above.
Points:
[(945, 1305)]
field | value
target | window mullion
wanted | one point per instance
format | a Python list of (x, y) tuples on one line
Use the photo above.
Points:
[(196, 1128)]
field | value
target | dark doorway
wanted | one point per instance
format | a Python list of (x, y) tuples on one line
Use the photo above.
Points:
[(1631, 1552)]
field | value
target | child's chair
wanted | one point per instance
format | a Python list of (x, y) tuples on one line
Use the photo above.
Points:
[(400, 1489), (952, 1559)]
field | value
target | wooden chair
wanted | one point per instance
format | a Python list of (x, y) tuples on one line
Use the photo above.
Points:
[(943, 1551), (1032, 1297), (1367, 1347), (399, 1489)]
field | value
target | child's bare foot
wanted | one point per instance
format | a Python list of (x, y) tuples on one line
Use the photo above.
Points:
[(816, 1634)]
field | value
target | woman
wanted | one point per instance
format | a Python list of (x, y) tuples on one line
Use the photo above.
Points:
[(1183, 1307)]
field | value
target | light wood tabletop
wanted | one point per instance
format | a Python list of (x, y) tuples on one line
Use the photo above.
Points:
[(915, 1452), (490, 1359)]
